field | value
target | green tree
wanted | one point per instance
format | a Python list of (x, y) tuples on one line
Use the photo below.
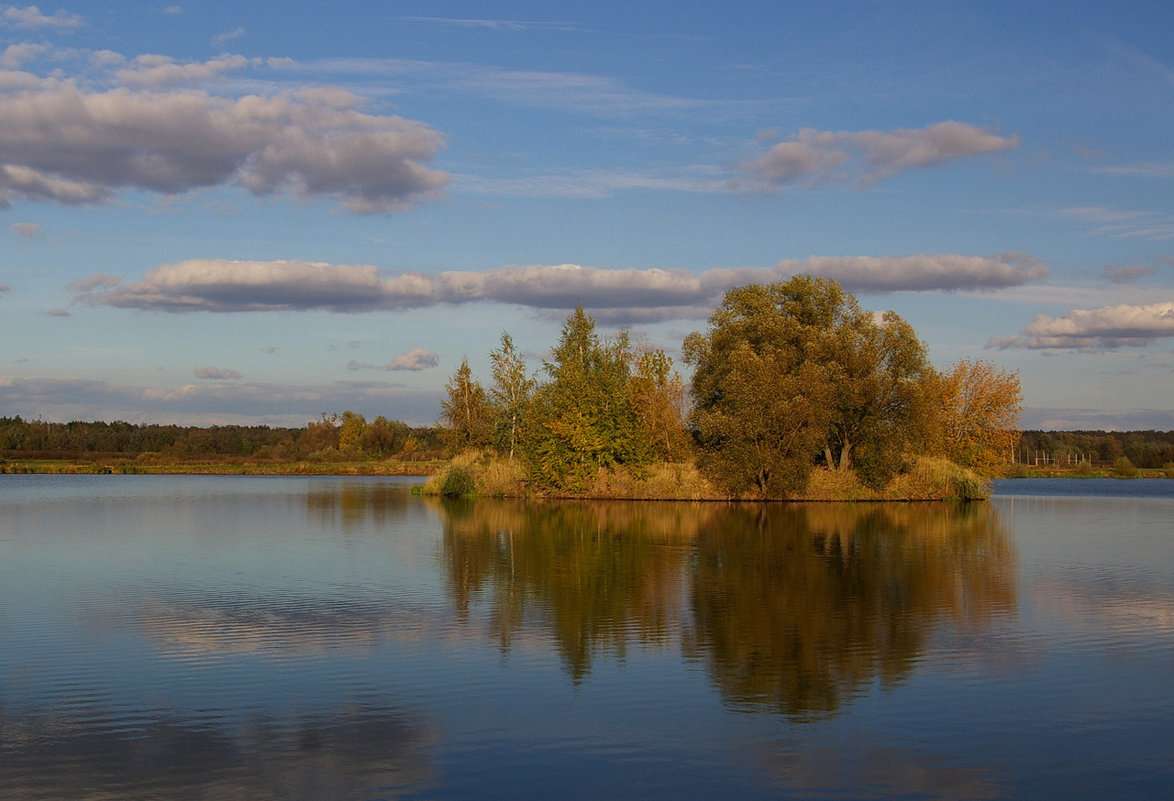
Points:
[(582, 419), (464, 414)]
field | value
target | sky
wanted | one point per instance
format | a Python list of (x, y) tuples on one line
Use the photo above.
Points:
[(260, 212)]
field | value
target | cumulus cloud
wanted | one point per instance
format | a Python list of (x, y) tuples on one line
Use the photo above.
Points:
[(222, 285), (413, 360), (63, 144), (17, 54), (216, 374), (1096, 329), (31, 17), (811, 157), (26, 229), (156, 70)]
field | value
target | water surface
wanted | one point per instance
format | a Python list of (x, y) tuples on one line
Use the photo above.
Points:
[(330, 638)]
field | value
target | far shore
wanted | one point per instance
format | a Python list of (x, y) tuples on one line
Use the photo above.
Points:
[(215, 467), (374, 467)]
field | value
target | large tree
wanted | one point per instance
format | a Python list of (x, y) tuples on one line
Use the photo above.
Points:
[(585, 416), (794, 369)]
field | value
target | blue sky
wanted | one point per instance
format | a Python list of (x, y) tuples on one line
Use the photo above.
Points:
[(259, 213)]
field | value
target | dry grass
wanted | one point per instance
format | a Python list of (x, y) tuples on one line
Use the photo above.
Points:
[(936, 479)]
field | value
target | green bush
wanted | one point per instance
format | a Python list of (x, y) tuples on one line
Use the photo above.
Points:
[(458, 483)]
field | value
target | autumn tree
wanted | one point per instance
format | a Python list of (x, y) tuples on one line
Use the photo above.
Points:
[(464, 414), (509, 395), (980, 408), (350, 432), (658, 399), (837, 381)]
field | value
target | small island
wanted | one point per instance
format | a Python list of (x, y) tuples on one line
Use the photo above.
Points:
[(797, 393)]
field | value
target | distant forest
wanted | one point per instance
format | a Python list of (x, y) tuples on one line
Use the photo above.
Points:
[(350, 436), (1146, 449)]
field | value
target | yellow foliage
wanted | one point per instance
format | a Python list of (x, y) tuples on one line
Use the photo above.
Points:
[(980, 415)]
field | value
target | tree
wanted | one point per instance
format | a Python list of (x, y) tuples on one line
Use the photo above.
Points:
[(582, 419), (509, 394), (805, 350), (384, 437), (877, 369), (980, 408), (760, 435), (658, 399), (465, 413), (350, 432)]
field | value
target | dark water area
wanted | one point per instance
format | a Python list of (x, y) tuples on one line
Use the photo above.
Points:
[(339, 638)]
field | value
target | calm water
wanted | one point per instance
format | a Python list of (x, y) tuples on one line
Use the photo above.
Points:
[(311, 638)]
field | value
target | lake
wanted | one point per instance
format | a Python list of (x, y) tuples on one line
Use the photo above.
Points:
[(166, 637)]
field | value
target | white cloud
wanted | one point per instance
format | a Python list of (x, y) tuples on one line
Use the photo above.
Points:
[(223, 285), (215, 374), (18, 54), (27, 230), (63, 144), (155, 70), (1096, 329), (416, 359), (811, 157), (413, 360), (31, 17)]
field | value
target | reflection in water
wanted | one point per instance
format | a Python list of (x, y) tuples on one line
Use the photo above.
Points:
[(798, 608), (282, 624), (598, 575), (792, 608), (357, 503), (311, 756)]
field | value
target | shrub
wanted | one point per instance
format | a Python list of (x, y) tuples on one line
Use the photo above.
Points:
[(1168, 470), (1123, 468), (458, 482)]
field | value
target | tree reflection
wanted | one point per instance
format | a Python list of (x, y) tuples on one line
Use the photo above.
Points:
[(792, 608), (358, 503), (598, 576), (796, 609)]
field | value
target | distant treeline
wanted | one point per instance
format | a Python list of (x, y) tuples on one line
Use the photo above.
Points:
[(1147, 449), (333, 437)]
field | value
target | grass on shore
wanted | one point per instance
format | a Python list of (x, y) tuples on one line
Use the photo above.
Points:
[(476, 474)]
